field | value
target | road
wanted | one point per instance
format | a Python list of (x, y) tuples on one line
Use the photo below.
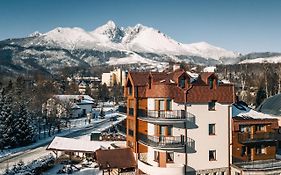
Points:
[(33, 154)]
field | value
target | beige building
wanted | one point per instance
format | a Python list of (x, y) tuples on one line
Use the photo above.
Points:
[(177, 125), (116, 76)]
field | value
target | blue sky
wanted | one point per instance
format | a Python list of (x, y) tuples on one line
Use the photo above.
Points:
[(239, 25)]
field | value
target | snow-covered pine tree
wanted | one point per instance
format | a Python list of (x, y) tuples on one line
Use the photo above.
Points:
[(24, 128), (9, 138)]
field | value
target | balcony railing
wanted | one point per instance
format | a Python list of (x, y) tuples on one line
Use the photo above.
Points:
[(165, 141), (167, 115), (258, 137)]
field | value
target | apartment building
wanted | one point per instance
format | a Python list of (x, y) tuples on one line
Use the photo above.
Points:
[(178, 124), (116, 76)]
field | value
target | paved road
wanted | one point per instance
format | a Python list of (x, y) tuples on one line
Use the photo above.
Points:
[(33, 154)]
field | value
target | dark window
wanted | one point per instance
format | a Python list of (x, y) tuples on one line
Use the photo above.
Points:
[(243, 151), (212, 129), (149, 82), (130, 90), (212, 155), (211, 83), (169, 105), (182, 82), (212, 105), (170, 157), (170, 128)]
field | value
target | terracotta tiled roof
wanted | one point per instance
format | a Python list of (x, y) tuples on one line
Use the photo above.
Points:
[(139, 78), (205, 75), (203, 94), (116, 158), (165, 85)]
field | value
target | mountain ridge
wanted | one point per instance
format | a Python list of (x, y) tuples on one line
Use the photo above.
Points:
[(108, 44)]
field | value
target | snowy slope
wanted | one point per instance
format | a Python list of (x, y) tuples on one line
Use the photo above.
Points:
[(206, 50), (107, 44), (274, 59), (138, 38)]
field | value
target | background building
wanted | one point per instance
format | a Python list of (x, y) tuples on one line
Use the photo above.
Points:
[(116, 76)]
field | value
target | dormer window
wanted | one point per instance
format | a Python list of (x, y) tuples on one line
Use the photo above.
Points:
[(130, 90), (211, 83), (182, 82)]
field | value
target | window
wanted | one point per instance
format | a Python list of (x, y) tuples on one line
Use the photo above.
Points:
[(169, 105), (182, 82), (260, 128), (156, 156), (169, 129), (212, 130), (244, 128), (130, 90), (243, 151), (170, 157), (211, 105), (236, 173), (149, 82), (211, 83), (212, 155), (260, 149), (161, 105)]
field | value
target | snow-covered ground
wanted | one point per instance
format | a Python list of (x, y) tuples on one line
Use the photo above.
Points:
[(34, 151), (274, 59), (76, 125)]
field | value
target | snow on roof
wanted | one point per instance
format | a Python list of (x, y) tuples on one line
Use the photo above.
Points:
[(192, 74), (75, 145), (75, 106), (68, 97), (240, 110), (224, 81), (209, 69)]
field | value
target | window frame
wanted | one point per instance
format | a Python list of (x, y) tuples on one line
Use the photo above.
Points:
[(213, 127), (214, 153), (212, 105), (172, 157)]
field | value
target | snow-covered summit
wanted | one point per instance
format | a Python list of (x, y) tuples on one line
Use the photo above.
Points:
[(139, 38), (109, 32), (35, 34)]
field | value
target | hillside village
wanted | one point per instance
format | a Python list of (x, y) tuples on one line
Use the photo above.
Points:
[(160, 116)]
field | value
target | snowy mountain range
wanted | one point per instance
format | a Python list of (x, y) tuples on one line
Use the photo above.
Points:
[(107, 44)]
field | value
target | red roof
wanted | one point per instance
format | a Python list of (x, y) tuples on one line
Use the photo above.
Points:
[(116, 158), (165, 85)]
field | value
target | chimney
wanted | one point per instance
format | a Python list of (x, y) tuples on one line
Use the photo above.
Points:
[(176, 66)]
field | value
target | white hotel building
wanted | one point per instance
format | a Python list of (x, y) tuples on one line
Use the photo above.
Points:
[(179, 125)]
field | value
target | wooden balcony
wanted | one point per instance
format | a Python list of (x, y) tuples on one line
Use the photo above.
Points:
[(258, 137)]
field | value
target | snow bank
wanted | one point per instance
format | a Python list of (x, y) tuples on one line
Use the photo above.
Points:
[(32, 168)]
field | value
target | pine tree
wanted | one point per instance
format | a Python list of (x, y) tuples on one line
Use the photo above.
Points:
[(24, 128), (261, 95), (9, 138)]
